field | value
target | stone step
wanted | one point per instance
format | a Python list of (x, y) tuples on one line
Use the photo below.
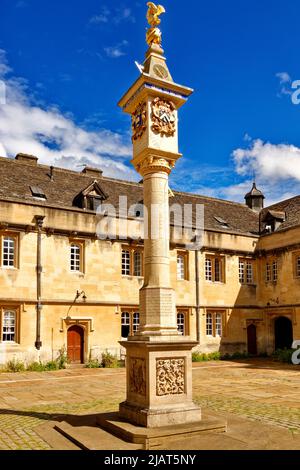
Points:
[(157, 438), (56, 441), (93, 438)]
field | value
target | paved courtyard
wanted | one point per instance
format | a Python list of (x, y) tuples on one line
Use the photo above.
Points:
[(259, 398)]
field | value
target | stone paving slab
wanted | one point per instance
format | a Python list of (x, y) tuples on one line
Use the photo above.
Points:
[(258, 393)]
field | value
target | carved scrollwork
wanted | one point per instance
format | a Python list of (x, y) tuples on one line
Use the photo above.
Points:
[(170, 376), (137, 375)]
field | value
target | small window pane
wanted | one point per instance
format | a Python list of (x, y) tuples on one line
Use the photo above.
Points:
[(181, 323), (209, 324), (249, 273), (218, 270), (218, 324), (135, 322), (9, 325), (137, 260), (274, 271), (208, 269), (180, 268), (75, 257), (125, 324), (242, 272), (8, 252), (298, 266), (125, 263), (268, 272)]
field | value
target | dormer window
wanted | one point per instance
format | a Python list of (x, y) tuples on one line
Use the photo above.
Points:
[(93, 203), (272, 220), (90, 198)]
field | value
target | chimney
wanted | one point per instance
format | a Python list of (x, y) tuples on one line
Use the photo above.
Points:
[(25, 158), (94, 172)]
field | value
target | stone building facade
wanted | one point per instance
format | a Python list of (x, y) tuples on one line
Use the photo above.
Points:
[(63, 286)]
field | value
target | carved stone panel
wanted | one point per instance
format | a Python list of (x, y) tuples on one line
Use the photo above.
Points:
[(170, 376), (163, 117), (139, 121), (137, 376)]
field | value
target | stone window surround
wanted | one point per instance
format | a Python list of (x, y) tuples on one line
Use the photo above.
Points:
[(15, 237), (186, 324), (184, 255), (247, 261), (10, 308), (271, 270), (81, 244), (214, 313), (132, 251), (222, 264), (296, 264), (131, 311)]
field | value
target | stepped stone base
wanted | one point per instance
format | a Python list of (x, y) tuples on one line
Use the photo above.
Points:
[(151, 438)]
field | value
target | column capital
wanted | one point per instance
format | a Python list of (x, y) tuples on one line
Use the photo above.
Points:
[(153, 161)]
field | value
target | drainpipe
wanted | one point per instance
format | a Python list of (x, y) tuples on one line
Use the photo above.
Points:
[(39, 223), (197, 296)]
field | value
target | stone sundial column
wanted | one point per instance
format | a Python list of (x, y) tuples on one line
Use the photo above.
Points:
[(158, 359)]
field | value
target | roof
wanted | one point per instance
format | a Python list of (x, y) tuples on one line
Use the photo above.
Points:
[(18, 177), (291, 208)]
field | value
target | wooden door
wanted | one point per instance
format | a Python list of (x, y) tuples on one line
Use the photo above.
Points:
[(75, 344), (252, 340)]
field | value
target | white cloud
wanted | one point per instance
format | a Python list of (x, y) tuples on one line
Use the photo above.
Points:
[(123, 14), (55, 138), (114, 52), (285, 83), (114, 16), (268, 160), (102, 17)]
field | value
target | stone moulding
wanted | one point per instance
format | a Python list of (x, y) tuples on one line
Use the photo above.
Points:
[(170, 376)]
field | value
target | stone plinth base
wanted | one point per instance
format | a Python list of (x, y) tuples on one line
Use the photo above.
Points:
[(155, 437), (159, 383), (160, 417)]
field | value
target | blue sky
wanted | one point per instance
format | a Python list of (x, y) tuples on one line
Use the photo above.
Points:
[(66, 64)]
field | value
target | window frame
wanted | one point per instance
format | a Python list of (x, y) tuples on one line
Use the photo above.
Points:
[(132, 252), (186, 326), (16, 310), (271, 270), (14, 236), (185, 257), (214, 314), (81, 245), (212, 259), (246, 263), (296, 264), (132, 324)]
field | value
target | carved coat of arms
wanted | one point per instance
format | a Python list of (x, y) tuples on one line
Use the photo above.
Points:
[(139, 121), (163, 117)]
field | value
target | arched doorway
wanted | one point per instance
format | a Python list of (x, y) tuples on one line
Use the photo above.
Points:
[(252, 339), (283, 333), (75, 344)]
